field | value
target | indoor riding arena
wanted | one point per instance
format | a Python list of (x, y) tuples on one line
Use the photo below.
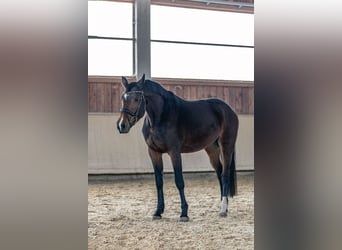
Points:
[(196, 49)]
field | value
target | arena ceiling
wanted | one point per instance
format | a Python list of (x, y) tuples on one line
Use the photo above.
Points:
[(240, 6)]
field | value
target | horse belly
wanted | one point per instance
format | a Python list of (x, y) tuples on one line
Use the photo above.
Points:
[(198, 141)]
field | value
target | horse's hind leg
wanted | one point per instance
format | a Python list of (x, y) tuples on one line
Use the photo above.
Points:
[(228, 176), (213, 152), (226, 160)]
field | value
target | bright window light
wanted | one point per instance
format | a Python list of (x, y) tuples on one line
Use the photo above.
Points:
[(202, 62), (110, 19), (195, 25), (110, 57)]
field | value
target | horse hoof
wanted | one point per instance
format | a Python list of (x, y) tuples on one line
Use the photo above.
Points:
[(184, 219), (156, 217), (223, 214)]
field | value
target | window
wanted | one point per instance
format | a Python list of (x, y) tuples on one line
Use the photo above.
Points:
[(193, 43), (206, 26), (110, 38), (110, 57), (201, 61)]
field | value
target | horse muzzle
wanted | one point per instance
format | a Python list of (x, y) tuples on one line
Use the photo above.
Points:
[(123, 127), (123, 131)]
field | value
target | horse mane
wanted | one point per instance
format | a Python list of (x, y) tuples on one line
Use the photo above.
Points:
[(156, 88)]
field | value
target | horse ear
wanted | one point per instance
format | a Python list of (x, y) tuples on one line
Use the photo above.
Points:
[(140, 83), (124, 82)]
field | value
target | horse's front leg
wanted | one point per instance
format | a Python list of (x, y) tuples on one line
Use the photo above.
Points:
[(177, 166), (157, 162)]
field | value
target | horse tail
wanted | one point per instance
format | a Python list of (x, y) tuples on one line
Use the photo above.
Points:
[(232, 177)]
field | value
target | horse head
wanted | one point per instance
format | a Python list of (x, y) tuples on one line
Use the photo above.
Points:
[(133, 104)]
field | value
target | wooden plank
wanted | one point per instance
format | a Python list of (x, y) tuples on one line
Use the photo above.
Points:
[(100, 97), (219, 92), (245, 100), (108, 98), (186, 92), (232, 101), (88, 97), (238, 100), (251, 101), (226, 95), (212, 91), (92, 97), (115, 100), (206, 92), (200, 92), (193, 93)]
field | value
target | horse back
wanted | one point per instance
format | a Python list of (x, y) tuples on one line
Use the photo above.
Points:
[(207, 111), (201, 122)]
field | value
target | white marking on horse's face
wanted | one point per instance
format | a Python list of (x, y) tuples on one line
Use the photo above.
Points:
[(121, 123), (125, 97)]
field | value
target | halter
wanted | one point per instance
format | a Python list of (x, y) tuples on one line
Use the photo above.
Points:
[(135, 113)]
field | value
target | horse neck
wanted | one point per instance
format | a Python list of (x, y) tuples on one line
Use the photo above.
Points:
[(156, 106)]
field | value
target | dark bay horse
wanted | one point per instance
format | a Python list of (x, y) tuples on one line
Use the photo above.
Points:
[(174, 126)]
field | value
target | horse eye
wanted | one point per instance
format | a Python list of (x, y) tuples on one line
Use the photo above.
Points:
[(136, 99)]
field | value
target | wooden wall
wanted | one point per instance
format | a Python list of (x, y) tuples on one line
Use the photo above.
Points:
[(104, 92)]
